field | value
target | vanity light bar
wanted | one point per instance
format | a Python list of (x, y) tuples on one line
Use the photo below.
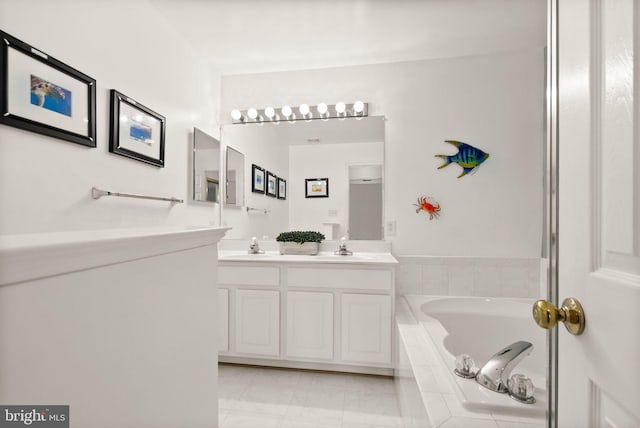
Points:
[(286, 113)]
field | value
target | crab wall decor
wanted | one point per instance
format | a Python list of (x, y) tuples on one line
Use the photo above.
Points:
[(428, 205)]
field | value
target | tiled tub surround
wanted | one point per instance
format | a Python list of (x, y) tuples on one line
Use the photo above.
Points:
[(471, 276), (430, 395)]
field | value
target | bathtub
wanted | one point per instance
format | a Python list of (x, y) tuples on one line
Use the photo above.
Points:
[(480, 327)]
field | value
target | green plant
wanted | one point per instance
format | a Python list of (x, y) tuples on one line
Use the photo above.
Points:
[(300, 237)]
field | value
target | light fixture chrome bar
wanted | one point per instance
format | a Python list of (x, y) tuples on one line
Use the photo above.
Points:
[(97, 194), (356, 110)]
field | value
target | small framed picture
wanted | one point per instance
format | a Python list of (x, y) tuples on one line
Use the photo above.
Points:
[(282, 188), (316, 188), (257, 179), (40, 94), (136, 131), (272, 182)]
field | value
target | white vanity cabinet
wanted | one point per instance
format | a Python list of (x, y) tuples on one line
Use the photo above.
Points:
[(310, 312)]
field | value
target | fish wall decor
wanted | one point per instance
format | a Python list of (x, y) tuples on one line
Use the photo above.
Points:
[(428, 205), (468, 157)]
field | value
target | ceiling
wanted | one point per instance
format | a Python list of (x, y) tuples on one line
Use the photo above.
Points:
[(251, 36)]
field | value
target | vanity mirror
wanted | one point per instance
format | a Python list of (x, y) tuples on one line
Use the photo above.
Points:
[(234, 190), (347, 152), (206, 167)]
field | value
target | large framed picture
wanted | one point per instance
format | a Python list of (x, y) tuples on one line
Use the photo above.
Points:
[(136, 131), (282, 188), (316, 188), (257, 179), (40, 94), (272, 182)]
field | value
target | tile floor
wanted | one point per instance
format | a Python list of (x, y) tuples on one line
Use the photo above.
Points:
[(261, 397)]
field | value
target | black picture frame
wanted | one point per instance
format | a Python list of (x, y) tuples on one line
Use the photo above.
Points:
[(316, 188), (272, 184), (282, 188), (41, 94), (257, 179), (136, 131)]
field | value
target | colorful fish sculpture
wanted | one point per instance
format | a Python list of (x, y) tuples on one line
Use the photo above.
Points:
[(468, 157), (428, 205)]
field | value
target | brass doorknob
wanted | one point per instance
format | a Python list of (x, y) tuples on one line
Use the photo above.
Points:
[(571, 314)]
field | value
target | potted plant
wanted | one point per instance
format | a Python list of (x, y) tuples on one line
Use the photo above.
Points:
[(300, 242)]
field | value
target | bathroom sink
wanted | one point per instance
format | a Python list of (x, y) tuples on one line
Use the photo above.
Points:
[(247, 256), (337, 258)]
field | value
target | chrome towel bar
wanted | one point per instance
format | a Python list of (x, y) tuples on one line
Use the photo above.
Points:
[(264, 210), (97, 194)]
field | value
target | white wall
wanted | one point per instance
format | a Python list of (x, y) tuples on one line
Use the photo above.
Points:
[(326, 161), (494, 102), (44, 182)]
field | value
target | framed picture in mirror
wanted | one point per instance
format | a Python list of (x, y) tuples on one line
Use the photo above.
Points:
[(272, 181), (282, 188), (316, 188), (257, 179)]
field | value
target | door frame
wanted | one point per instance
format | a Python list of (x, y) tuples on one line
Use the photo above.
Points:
[(550, 250)]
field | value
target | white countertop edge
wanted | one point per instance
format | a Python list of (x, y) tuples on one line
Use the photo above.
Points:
[(32, 256), (362, 258)]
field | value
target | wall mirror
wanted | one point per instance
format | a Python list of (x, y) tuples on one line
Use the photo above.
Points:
[(349, 153), (206, 167), (234, 175)]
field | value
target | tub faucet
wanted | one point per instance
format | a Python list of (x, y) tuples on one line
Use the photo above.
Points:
[(342, 249), (495, 373), (254, 247)]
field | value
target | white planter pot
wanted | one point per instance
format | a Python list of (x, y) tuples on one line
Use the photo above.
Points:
[(306, 248)]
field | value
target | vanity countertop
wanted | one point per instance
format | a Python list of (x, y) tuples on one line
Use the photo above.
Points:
[(322, 257)]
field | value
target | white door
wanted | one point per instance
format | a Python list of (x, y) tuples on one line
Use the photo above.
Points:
[(599, 211), (310, 325), (366, 328), (223, 320), (257, 316)]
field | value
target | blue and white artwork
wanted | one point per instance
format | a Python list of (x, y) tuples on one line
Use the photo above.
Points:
[(50, 96), (142, 133)]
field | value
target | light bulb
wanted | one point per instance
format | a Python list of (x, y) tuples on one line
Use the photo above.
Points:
[(304, 109), (252, 113), (269, 112), (341, 108), (236, 114), (286, 111), (358, 107), (322, 109)]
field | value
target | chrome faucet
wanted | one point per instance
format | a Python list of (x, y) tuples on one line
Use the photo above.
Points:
[(254, 247), (494, 375), (342, 249)]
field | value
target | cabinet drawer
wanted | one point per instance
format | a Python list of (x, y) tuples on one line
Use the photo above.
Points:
[(248, 275), (359, 279)]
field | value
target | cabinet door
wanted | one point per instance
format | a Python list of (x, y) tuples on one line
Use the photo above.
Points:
[(366, 328), (223, 320), (257, 322), (310, 325)]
